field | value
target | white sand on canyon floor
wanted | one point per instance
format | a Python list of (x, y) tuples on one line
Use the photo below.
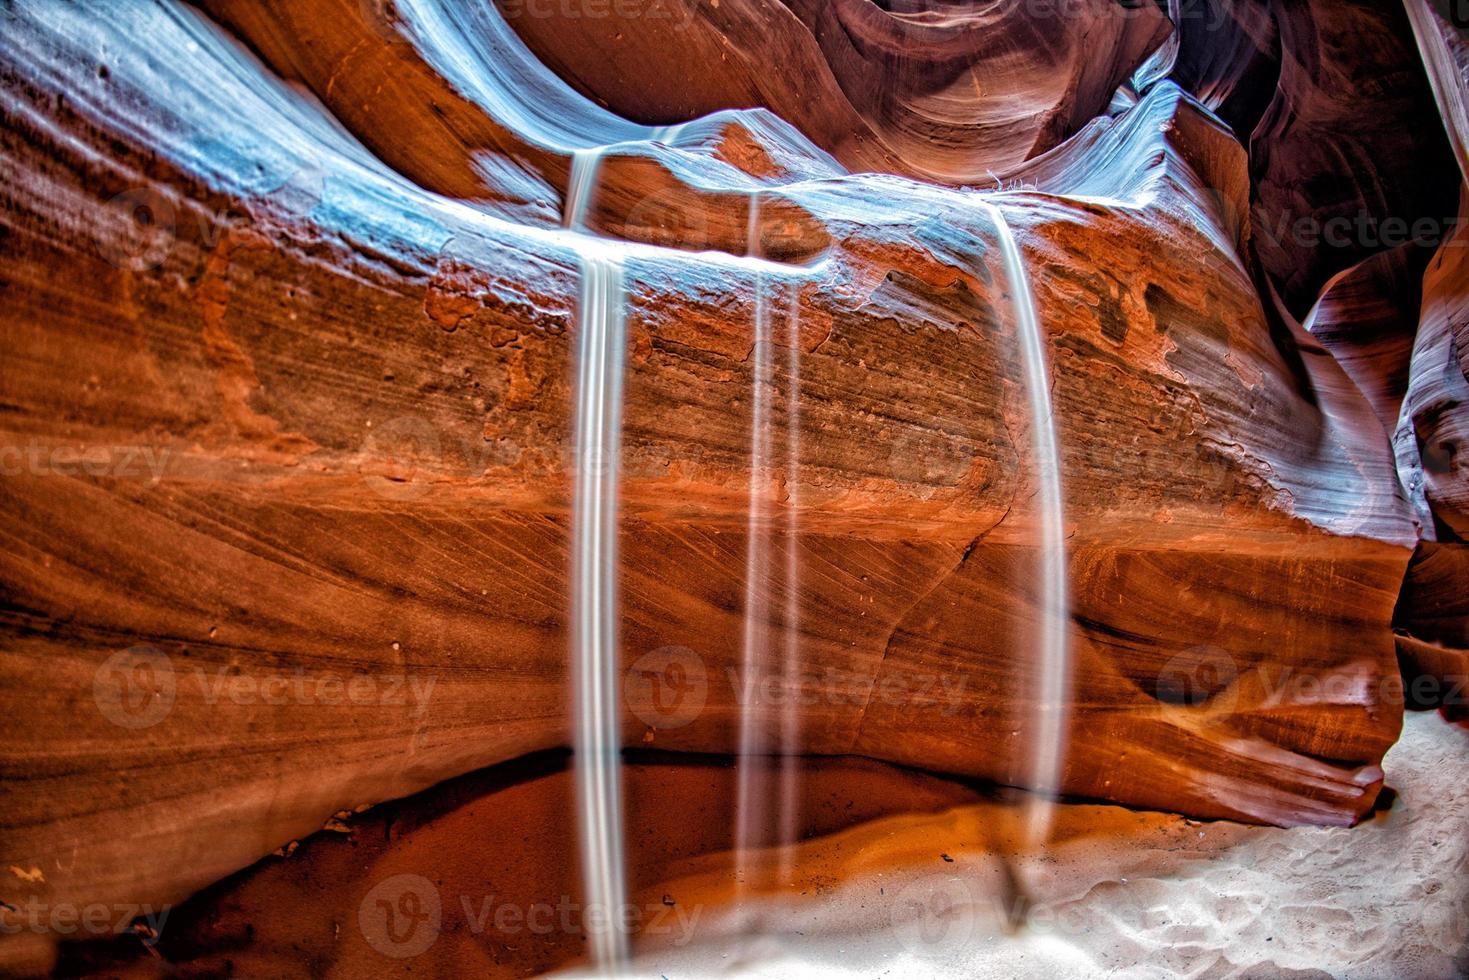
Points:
[(1118, 893)]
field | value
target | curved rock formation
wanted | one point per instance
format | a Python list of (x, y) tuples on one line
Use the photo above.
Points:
[(930, 88), (289, 413), (1228, 56), (1367, 317), (1349, 112), (1432, 619)]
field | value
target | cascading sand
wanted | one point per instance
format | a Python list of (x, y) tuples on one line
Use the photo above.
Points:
[(600, 356), (1053, 666)]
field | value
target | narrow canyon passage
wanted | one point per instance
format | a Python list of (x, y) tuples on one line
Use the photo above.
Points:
[(871, 487)]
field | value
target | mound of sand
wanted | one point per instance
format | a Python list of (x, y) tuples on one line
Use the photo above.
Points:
[(1123, 893)]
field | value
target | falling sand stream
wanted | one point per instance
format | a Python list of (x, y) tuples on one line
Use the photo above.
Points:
[(600, 355), (600, 364), (752, 763), (757, 781), (1053, 663)]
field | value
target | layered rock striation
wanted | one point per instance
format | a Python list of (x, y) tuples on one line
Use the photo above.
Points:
[(290, 314)]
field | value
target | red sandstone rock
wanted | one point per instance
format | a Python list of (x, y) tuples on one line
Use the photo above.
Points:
[(1349, 111), (1367, 317), (1432, 618), (344, 337), (944, 90)]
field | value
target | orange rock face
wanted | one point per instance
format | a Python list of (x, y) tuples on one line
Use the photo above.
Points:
[(291, 311)]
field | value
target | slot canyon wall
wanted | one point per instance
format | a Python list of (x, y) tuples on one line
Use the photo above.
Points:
[(286, 402)]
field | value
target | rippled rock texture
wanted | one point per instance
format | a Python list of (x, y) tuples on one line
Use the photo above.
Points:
[(290, 316)]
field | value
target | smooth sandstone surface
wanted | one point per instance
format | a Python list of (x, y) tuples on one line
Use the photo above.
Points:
[(289, 314)]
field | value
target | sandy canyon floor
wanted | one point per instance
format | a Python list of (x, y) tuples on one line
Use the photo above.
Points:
[(899, 874)]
